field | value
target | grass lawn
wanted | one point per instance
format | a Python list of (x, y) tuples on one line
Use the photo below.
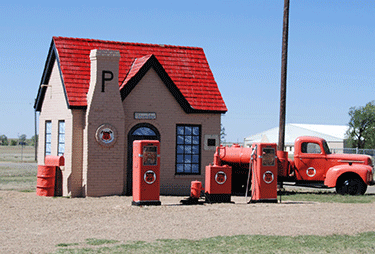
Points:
[(361, 243)]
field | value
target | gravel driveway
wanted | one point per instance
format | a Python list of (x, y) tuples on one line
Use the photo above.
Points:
[(32, 224)]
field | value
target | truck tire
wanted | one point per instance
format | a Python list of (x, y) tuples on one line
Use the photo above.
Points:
[(350, 185)]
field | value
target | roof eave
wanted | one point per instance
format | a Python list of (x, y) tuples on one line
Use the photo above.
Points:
[(51, 57)]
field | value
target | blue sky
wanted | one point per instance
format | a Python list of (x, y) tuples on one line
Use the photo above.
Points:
[(331, 60)]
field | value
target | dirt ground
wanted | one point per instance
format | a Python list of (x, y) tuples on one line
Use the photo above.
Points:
[(33, 224)]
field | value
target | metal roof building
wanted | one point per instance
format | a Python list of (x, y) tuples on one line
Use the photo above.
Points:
[(334, 134)]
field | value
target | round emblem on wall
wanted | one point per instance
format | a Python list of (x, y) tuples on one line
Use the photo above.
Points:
[(220, 177), (149, 177), (310, 171), (106, 135), (268, 177)]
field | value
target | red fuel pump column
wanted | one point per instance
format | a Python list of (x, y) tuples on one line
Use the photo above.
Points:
[(264, 175), (146, 172)]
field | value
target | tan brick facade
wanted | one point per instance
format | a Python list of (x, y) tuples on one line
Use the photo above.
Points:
[(94, 169), (151, 95)]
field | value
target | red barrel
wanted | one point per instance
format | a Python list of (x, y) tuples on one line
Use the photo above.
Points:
[(45, 182), (196, 188)]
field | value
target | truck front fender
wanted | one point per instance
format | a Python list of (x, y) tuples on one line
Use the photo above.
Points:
[(363, 171)]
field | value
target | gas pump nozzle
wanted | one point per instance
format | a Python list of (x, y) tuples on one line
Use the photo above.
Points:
[(254, 151)]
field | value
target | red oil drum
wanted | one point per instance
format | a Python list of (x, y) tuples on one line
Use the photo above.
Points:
[(196, 188), (45, 182)]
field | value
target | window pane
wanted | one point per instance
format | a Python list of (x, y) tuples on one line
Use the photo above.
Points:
[(180, 149), (180, 168), (48, 127), (144, 131), (62, 138), (180, 158), (187, 159), (61, 149), (61, 127), (196, 131), (188, 140), (195, 168), (187, 168), (180, 130), (48, 149), (195, 150), (195, 140), (180, 139), (48, 138), (188, 130), (187, 149), (195, 158)]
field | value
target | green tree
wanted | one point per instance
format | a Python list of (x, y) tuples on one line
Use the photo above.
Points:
[(4, 140), (33, 140), (22, 139), (362, 126)]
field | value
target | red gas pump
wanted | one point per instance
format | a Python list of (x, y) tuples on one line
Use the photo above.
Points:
[(146, 172), (264, 173), (218, 183)]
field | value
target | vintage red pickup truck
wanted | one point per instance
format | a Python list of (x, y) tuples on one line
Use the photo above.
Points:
[(313, 165)]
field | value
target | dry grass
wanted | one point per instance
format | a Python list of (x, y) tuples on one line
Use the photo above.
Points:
[(17, 153), (17, 168)]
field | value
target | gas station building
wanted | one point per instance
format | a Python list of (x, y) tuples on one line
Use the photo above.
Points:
[(97, 97)]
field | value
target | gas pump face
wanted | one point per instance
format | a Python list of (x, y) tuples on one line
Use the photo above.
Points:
[(268, 157), (150, 155)]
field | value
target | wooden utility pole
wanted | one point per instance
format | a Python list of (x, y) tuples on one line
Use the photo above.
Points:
[(284, 59)]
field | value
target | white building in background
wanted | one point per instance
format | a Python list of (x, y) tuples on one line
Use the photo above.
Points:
[(333, 134)]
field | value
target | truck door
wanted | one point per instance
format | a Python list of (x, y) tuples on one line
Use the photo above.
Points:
[(311, 162)]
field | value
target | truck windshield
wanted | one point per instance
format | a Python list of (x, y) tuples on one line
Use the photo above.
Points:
[(326, 148)]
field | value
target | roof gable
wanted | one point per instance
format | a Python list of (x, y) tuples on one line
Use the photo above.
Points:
[(140, 67), (186, 67)]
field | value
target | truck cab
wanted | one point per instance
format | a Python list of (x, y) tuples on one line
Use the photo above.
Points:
[(315, 164)]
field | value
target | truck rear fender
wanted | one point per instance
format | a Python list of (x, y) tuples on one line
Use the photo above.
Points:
[(363, 171)]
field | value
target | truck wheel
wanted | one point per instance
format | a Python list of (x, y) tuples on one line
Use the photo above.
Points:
[(351, 186)]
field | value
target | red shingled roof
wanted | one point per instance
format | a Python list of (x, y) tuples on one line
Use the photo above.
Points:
[(187, 67)]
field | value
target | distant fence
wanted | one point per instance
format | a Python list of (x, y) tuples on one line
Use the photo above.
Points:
[(370, 152)]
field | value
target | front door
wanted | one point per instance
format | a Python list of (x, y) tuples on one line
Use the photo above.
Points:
[(143, 131)]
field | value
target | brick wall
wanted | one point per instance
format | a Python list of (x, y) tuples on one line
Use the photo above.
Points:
[(103, 164), (151, 95), (55, 109)]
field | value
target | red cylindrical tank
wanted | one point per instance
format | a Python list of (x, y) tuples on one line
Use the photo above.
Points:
[(196, 188), (282, 163), (45, 185), (235, 154)]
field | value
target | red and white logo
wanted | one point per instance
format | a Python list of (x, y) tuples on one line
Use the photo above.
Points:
[(268, 177), (311, 172), (149, 177), (106, 135), (220, 177)]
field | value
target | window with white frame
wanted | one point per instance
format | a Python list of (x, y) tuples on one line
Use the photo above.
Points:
[(61, 143), (48, 137), (188, 149)]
